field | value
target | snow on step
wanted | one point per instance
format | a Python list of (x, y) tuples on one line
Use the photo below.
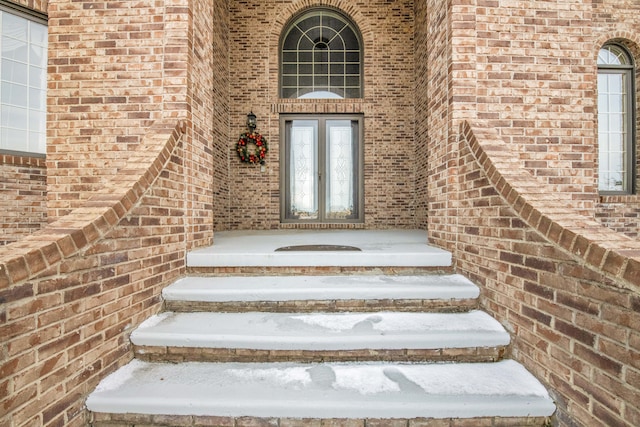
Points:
[(322, 331), (291, 288), (332, 390), (393, 248)]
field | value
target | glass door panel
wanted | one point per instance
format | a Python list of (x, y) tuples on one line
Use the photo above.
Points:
[(303, 170), (341, 171)]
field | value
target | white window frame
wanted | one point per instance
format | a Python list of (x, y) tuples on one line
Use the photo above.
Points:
[(23, 81)]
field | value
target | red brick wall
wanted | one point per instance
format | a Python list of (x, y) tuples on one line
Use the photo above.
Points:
[(71, 293), (388, 108), (23, 192)]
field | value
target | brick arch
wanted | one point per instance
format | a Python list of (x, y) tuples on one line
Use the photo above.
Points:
[(349, 8), (282, 17), (630, 40)]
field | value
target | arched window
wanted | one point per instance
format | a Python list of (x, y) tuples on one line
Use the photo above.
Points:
[(616, 118), (321, 57)]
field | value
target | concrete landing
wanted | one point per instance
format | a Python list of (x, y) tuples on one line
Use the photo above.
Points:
[(378, 248)]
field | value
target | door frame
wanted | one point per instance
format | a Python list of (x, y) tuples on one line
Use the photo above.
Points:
[(358, 159)]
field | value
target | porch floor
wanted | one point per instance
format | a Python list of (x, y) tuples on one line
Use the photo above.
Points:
[(389, 248)]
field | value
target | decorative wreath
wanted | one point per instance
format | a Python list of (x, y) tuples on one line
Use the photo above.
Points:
[(252, 147)]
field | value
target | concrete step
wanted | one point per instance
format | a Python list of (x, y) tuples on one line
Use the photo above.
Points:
[(150, 392), (473, 336), (261, 337), (447, 292)]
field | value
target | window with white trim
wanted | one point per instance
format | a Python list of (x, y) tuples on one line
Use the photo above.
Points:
[(23, 81), (616, 118)]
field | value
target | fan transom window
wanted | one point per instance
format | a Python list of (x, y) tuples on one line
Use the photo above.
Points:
[(321, 57)]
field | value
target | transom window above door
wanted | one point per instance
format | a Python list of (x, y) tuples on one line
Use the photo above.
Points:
[(321, 57)]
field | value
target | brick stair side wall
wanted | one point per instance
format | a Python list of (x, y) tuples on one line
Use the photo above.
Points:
[(566, 286), (71, 293)]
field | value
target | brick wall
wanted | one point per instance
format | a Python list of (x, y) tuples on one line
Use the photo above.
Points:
[(620, 213), (220, 117), (114, 68), (23, 192), (129, 193), (388, 107), (206, 40), (566, 287), (71, 293), (619, 21), (536, 85), (37, 5)]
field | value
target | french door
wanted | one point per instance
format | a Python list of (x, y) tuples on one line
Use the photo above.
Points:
[(321, 172)]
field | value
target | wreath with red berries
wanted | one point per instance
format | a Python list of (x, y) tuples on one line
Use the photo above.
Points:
[(252, 147)]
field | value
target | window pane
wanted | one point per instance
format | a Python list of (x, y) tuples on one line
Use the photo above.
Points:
[(14, 117), (14, 139), (39, 35), (613, 55), (13, 94), (289, 69), (17, 50), (37, 142), (13, 71), (321, 68), (38, 56)]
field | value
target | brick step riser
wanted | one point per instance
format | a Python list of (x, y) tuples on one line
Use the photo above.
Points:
[(315, 271), (136, 420), (330, 306), (199, 354)]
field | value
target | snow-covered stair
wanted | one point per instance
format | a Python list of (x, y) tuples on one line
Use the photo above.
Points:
[(295, 350), (437, 292), (324, 390), (265, 337)]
